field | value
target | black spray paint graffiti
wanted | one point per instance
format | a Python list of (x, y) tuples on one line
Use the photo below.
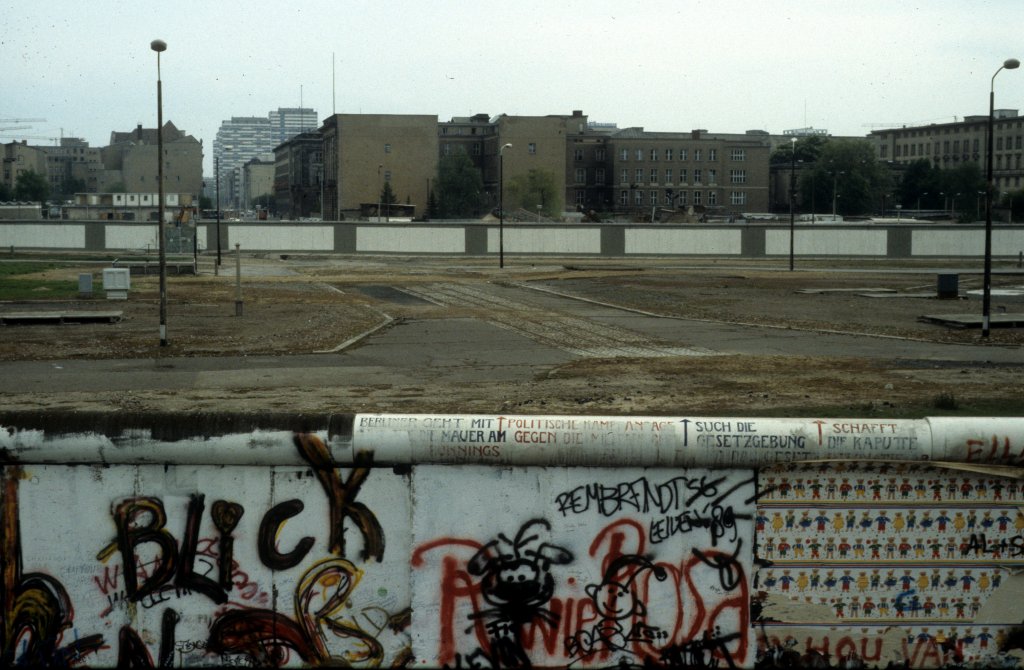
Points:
[(516, 581), (35, 609), (618, 603)]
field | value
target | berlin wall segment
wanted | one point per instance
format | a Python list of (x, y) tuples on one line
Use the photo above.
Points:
[(514, 541)]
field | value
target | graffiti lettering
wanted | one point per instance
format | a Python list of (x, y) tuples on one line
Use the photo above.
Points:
[(141, 521), (272, 521), (718, 520), (979, 544), (641, 496), (342, 497)]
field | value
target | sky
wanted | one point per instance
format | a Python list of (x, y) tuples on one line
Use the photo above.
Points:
[(846, 66)]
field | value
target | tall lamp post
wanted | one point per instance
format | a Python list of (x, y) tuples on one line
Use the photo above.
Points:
[(501, 205), (792, 197), (160, 46), (986, 301)]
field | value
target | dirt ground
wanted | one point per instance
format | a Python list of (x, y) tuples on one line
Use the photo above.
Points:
[(303, 304)]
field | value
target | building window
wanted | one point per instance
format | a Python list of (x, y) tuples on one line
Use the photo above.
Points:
[(682, 154), (738, 198), (476, 149), (696, 157), (712, 154), (599, 154), (654, 154), (738, 155), (668, 154), (696, 177), (696, 197), (682, 176), (712, 198), (638, 197), (653, 198), (387, 175), (737, 176), (599, 175), (999, 144), (531, 148), (578, 155), (447, 150), (581, 175), (668, 176), (623, 197), (387, 148), (654, 176), (624, 176), (639, 176), (668, 198), (712, 176), (681, 199), (580, 197), (624, 155), (639, 154)]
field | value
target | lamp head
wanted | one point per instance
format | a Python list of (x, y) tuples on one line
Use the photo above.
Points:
[(1011, 64), (158, 45), (506, 146)]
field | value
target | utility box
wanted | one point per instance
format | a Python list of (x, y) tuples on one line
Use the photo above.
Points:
[(85, 285), (116, 282), (949, 286)]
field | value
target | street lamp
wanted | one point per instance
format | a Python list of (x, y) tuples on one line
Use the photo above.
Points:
[(501, 205), (792, 196), (835, 193), (160, 46), (380, 191), (986, 302)]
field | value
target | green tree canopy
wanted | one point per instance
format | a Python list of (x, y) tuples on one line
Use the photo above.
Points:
[(31, 186), (807, 150), (848, 175), (532, 189), (6, 192), (387, 195), (960, 191), (459, 186)]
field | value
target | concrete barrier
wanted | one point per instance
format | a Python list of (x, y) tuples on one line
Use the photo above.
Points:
[(474, 238), (378, 540)]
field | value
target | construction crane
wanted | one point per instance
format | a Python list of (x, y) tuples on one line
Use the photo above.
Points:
[(15, 138), (22, 120)]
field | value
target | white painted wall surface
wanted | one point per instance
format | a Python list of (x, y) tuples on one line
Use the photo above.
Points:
[(282, 238), (683, 241), (528, 239), (827, 242), (132, 237), (411, 239), (966, 242), (56, 236)]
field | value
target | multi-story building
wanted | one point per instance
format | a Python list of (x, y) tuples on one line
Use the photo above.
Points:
[(72, 159), (243, 138), (298, 175), (19, 158), (947, 145), (363, 151), (695, 172), (133, 155), (257, 182)]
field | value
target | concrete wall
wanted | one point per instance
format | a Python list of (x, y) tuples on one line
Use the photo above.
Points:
[(496, 541), (605, 240)]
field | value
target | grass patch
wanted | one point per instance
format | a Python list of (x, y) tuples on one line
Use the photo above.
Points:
[(14, 286)]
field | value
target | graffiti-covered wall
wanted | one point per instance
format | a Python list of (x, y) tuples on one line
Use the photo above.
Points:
[(510, 542)]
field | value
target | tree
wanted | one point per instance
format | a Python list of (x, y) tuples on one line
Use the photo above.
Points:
[(459, 186), (533, 189), (807, 150), (69, 187), (848, 176), (32, 186), (1012, 201), (6, 192)]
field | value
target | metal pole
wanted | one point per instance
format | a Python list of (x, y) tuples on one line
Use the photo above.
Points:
[(238, 279), (159, 46), (216, 171), (792, 197), (986, 296), (501, 208)]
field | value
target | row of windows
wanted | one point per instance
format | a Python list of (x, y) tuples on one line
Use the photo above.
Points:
[(671, 198), (930, 132), (664, 176), (947, 147)]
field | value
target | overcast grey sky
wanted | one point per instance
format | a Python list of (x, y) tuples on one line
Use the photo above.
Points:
[(841, 65)]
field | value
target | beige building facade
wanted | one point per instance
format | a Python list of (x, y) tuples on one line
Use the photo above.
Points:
[(948, 145), (363, 151), (19, 158)]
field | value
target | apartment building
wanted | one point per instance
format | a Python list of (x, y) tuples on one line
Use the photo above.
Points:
[(363, 151), (947, 145), (133, 155), (18, 158), (298, 176)]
